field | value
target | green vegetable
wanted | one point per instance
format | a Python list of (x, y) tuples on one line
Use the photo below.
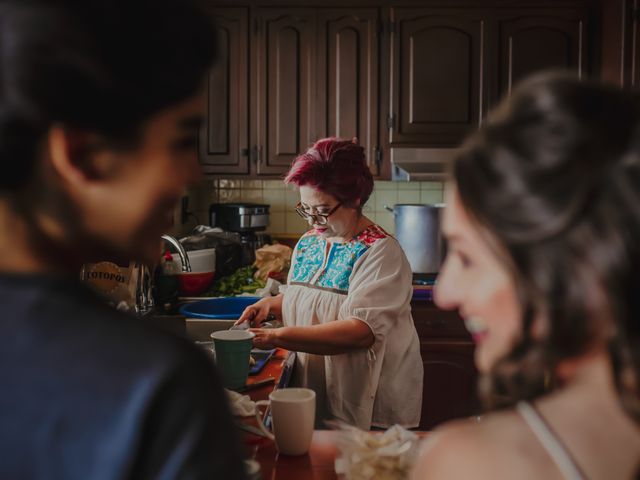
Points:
[(240, 281)]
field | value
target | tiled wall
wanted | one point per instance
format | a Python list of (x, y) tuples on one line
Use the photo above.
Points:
[(282, 199)]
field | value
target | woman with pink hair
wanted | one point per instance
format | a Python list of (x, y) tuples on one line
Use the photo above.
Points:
[(346, 303)]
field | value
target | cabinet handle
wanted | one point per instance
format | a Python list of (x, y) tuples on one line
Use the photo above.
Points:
[(378, 158)]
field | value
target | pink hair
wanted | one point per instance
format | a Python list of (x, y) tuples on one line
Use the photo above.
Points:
[(336, 167)]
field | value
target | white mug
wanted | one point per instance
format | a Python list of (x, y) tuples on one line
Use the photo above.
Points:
[(293, 412)]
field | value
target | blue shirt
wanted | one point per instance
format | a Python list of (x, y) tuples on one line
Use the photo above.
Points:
[(89, 393)]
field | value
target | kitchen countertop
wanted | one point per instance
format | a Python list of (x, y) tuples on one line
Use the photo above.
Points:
[(277, 368), (317, 464)]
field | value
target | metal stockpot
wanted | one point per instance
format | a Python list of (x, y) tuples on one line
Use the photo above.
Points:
[(418, 231)]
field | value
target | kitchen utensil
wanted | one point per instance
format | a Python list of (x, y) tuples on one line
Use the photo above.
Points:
[(232, 356), (203, 260), (194, 283), (239, 217), (253, 386), (241, 326), (417, 228), (293, 413), (261, 357)]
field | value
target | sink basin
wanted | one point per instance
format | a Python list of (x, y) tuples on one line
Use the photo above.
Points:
[(207, 316)]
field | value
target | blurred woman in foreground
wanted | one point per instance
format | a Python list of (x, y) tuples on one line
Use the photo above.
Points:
[(543, 225), (100, 101)]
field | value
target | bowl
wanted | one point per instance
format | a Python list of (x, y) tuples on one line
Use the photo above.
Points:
[(224, 308), (200, 260), (194, 283)]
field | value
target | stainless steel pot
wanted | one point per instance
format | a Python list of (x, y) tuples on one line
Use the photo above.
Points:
[(418, 231)]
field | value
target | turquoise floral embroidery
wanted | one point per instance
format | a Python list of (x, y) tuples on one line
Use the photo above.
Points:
[(310, 256), (308, 259)]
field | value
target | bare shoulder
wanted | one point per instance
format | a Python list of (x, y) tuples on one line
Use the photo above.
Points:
[(465, 449), (450, 452)]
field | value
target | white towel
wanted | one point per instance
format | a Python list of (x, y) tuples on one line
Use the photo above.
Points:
[(241, 405)]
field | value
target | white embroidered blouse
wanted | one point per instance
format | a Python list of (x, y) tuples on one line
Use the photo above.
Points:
[(368, 278)]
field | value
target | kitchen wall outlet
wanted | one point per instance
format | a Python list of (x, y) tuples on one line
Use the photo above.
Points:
[(184, 210)]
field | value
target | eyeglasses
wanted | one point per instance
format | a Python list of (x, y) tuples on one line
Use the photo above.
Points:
[(318, 218)]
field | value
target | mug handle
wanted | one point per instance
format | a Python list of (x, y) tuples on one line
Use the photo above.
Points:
[(267, 433)]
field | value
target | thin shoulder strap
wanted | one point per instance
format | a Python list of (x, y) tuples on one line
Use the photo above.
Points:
[(550, 441)]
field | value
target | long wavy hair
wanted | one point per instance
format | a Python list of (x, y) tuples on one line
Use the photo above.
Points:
[(552, 179)]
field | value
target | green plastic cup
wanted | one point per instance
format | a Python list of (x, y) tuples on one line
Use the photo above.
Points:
[(233, 348)]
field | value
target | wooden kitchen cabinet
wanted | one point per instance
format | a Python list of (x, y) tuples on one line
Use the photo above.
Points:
[(631, 44), (533, 40), (450, 65), (410, 75), (437, 72), (284, 83), (348, 70), (223, 144), (450, 377), (285, 78)]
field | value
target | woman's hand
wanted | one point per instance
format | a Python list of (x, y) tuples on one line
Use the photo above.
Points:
[(265, 338), (257, 313), (332, 338)]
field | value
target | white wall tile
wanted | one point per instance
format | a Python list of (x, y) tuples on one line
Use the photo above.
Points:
[(431, 185), (409, 196), (251, 195), (228, 195), (273, 184), (292, 198), (380, 185), (277, 222), (386, 222), (227, 183), (250, 184), (385, 197), (276, 199), (431, 196)]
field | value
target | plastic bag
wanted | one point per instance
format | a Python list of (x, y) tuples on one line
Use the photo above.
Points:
[(272, 259), (117, 284), (388, 455)]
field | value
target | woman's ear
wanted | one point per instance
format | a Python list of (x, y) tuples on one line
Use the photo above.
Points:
[(76, 157)]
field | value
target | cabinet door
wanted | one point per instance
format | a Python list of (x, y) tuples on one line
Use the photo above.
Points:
[(348, 77), (450, 379), (437, 76), (632, 45), (285, 86), (533, 40), (223, 144)]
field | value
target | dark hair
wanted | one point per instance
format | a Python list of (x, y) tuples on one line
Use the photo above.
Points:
[(553, 179), (96, 65), (337, 167)]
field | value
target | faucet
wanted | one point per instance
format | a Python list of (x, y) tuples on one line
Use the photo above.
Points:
[(186, 266), (145, 279)]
